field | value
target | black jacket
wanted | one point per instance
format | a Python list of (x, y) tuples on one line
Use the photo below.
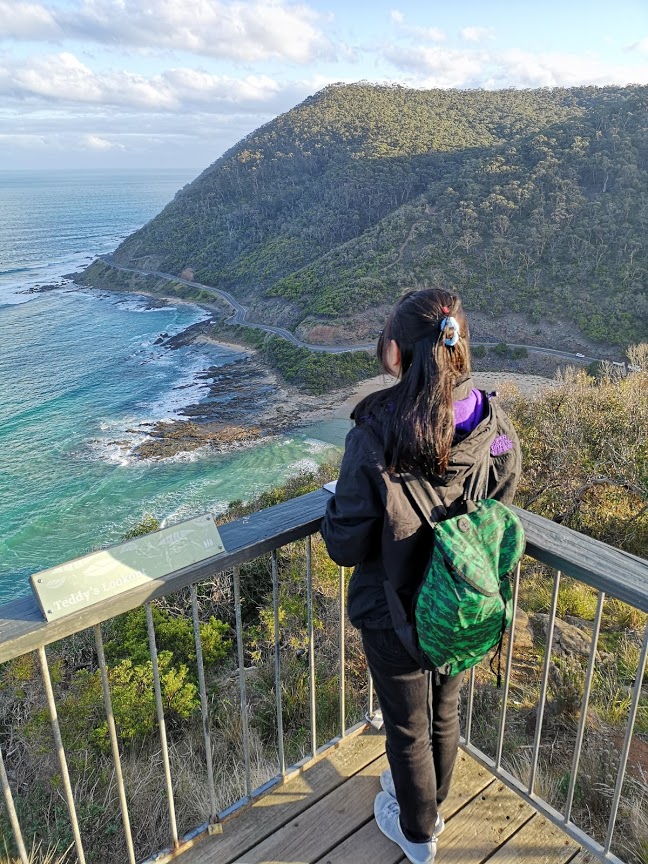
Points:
[(372, 523)]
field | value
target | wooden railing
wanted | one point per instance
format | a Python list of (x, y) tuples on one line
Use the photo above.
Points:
[(613, 573)]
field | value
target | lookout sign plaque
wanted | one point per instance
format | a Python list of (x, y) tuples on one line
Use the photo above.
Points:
[(65, 589)]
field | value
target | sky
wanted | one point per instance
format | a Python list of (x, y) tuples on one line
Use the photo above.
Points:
[(172, 84)]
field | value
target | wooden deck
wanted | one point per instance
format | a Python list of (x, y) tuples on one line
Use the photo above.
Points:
[(325, 816)]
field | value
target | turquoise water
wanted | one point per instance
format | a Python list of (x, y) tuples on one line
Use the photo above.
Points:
[(78, 369)]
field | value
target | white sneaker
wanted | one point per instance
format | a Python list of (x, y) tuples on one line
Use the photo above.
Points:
[(387, 783), (387, 813)]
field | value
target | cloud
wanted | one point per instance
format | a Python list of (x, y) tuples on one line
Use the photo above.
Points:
[(435, 66), (428, 34), (641, 47), (27, 21), (477, 34), (24, 141), (247, 32), (64, 80), (196, 86), (431, 34), (523, 69), (95, 142)]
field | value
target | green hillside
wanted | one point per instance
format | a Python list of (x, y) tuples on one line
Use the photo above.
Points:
[(531, 201)]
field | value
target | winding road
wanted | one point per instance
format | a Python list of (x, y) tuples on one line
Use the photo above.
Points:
[(240, 317)]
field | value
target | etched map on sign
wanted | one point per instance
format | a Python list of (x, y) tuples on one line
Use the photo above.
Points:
[(65, 589)]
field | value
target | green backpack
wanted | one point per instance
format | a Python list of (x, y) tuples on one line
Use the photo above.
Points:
[(464, 605)]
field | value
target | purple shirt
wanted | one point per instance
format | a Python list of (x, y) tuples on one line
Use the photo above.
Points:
[(468, 413)]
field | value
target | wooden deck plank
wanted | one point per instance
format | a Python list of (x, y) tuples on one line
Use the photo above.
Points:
[(324, 825), (325, 816), (538, 842), (585, 857), (368, 845), (286, 802), (484, 825)]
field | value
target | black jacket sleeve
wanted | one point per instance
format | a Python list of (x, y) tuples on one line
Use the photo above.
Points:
[(353, 522)]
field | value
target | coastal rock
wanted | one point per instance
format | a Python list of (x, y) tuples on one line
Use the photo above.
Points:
[(168, 439), (188, 336), (41, 289)]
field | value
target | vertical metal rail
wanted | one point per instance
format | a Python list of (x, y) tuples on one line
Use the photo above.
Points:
[(507, 676), (469, 705), (342, 659), (545, 680), (311, 648), (60, 752), (204, 706), (277, 664), (587, 689), (162, 726), (11, 812), (636, 696), (239, 647), (370, 695), (114, 746)]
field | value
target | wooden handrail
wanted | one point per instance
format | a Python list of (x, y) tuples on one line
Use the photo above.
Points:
[(619, 574)]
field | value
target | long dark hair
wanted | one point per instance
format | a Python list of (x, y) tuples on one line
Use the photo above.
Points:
[(417, 413)]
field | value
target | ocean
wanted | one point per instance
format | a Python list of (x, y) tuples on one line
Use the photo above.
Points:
[(78, 368)]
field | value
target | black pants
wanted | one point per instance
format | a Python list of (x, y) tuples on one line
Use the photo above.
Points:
[(421, 714)]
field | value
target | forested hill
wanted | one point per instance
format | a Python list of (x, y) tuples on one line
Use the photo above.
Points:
[(531, 201)]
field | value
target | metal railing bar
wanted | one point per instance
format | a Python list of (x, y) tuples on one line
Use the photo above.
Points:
[(545, 681), (509, 667), (370, 694), (587, 689), (277, 664), (312, 681), (541, 806), (204, 705), (586, 559), (114, 746), (11, 812), (161, 724), (636, 696), (60, 752), (23, 629), (342, 654), (241, 675), (469, 704)]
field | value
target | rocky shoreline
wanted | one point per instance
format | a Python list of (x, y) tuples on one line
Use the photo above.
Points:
[(247, 401)]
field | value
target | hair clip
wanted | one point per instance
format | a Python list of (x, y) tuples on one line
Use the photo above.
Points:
[(450, 324)]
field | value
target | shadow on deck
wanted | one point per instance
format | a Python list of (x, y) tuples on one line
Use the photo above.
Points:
[(325, 816)]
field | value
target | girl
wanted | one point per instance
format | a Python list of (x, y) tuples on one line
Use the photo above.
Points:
[(435, 428)]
